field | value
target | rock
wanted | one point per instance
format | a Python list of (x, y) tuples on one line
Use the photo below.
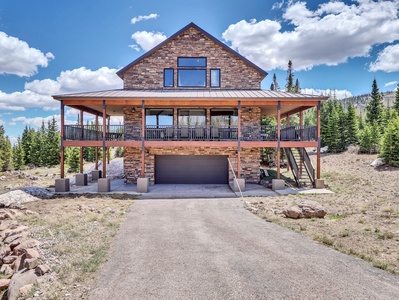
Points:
[(377, 163), (42, 269), (31, 243), (6, 270), (24, 291), (5, 250), (19, 263), (31, 263), (305, 209), (312, 209), (293, 212), (4, 283), (9, 259), (32, 253), (14, 231), (5, 215), (19, 280)]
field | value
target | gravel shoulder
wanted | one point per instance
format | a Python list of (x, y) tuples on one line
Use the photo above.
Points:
[(215, 249)]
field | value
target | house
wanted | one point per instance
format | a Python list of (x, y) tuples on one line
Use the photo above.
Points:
[(192, 110)]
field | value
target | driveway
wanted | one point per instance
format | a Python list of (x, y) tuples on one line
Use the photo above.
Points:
[(215, 249)]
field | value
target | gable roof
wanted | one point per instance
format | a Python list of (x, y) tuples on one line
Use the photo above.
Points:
[(224, 46)]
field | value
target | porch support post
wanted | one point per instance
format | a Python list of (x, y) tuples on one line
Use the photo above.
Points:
[(82, 138), (318, 140), (104, 175), (96, 140), (300, 137), (62, 150), (278, 137), (288, 124), (108, 152), (239, 141), (142, 139)]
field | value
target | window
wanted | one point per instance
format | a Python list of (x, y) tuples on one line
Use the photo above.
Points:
[(191, 62), (158, 117), (192, 117), (168, 78), (224, 118), (191, 72), (215, 77)]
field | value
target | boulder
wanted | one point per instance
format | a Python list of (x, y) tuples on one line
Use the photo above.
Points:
[(377, 163), (31, 263), (19, 280), (305, 209), (4, 284), (312, 209), (42, 269)]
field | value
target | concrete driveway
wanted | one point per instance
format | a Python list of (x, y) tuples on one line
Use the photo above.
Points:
[(215, 249)]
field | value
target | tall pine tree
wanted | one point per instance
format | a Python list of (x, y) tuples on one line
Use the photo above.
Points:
[(5, 151), (18, 155), (352, 128), (289, 87), (390, 144), (52, 144), (396, 101), (375, 107)]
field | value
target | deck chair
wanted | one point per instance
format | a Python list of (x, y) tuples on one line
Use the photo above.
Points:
[(199, 133), (169, 133), (215, 133), (184, 132)]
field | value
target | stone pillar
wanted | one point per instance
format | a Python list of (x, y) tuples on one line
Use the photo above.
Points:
[(143, 185), (81, 179), (62, 185), (278, 184), (104, 185)]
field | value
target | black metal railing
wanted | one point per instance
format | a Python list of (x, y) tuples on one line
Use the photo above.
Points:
[(133, 132)]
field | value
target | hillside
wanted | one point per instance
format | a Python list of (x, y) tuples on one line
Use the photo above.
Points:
[(360, 101)]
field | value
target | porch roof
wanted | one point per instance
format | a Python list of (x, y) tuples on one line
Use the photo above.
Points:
[(191, 94)]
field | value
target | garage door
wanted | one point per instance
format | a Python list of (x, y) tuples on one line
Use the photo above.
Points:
[(194, 169)]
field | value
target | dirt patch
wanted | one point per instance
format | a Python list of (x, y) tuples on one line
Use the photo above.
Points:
[(362, 216), (76, 233)]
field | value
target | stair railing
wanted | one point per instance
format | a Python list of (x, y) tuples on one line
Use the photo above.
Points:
[(308, 164), (293, 164)]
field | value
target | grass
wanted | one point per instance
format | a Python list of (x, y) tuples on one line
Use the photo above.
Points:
[(75, 241)]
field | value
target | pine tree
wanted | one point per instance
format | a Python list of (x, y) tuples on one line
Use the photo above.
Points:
[(5, 151), (375, 138), (18, 155), (289, 87), (361, 122), (73, 159), (52, 144), (297, 88), (332, 138), (365, 140), (396, 101), (375, 106), (275, 86), (390, 144), (352, 128), (28, 137)]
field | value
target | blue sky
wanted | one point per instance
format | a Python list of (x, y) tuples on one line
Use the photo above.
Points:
[(53, 47)]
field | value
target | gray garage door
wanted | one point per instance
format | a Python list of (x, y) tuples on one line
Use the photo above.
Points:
[(194, 169)]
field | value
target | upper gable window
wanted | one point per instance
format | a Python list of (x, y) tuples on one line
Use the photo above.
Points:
[(168, 78), (196, 62), (191, 71)]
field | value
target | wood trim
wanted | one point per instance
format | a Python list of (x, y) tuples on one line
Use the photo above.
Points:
[(81, 148), (166, 144), (104, 175), (318, 171), (278, 138), (143, 139), (96, 166)]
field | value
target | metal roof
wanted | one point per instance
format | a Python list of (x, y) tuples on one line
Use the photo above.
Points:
[(176, 94)]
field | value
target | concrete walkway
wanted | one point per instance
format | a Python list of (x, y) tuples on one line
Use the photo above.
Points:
[(215, 249)]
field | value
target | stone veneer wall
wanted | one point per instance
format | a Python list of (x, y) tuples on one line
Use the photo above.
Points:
[(235, 73), (250, 157), (250, 160)]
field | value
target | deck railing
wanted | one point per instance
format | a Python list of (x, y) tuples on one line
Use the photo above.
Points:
[(133, 132)]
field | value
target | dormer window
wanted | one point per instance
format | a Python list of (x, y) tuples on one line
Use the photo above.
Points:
[(191, 71)]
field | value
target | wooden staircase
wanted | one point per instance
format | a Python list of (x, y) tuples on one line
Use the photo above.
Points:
[(301, 166)]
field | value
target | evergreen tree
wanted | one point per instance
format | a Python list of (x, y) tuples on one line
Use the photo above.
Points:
[(28, 137), (119, 152), (52, 144), (396, 101), (375, 106), (390, 144), (275, 86), (73, 159), (18, 155), (352, 128), (5, 151), (365, 140), (297, 88), (361, 121), (332, 138), (375, 138), (289, 87)]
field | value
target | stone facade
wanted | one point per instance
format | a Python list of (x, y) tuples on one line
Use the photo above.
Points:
[(250, 160), (235, 72)]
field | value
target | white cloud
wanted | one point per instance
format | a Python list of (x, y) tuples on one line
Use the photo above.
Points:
[(390, 83), (38, 93), (340, 94), (387, 60), (329, 35), (148, 40), (16, 57), (144, 18)]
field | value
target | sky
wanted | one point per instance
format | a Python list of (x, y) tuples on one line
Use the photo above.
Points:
[(57, 47)]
